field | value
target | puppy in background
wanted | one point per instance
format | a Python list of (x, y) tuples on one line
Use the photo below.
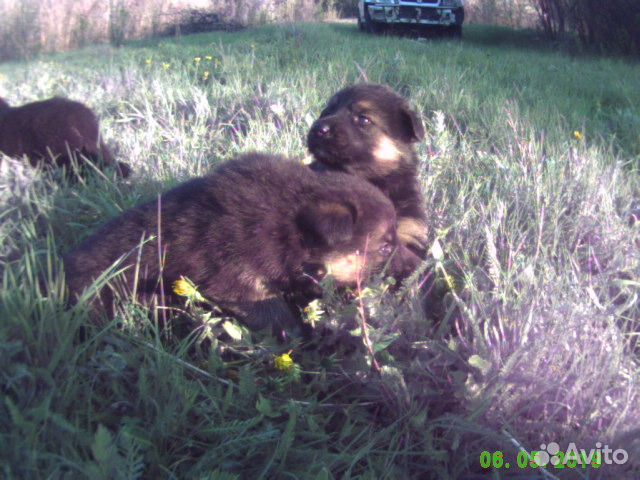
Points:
[(53, 128), (369, 130)]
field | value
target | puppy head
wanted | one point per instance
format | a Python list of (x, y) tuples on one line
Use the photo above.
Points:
[(351, 239), (367, 130)]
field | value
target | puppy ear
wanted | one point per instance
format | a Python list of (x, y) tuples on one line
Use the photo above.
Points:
[(326, 223), (412, 124)]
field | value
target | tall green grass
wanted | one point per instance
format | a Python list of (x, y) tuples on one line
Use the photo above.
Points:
[(532, 340)]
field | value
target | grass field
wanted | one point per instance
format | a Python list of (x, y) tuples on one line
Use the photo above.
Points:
[(530, 174)]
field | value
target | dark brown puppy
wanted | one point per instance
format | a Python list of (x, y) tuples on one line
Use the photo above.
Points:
[(53, 127), (368, 130), (248, 234)]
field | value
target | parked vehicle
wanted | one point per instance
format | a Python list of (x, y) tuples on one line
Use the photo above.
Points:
[(444, 15)]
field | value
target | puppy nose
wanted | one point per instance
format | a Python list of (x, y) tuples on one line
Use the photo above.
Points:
[(322, 130)]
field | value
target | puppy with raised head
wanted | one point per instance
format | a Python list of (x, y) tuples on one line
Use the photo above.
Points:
[(53, 127), (369, 130), (249, 235)]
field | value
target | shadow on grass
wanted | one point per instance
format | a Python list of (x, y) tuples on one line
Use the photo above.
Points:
[(503, 37), (483, 36), (399, 31)]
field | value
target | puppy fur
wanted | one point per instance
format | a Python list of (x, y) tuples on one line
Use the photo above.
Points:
[(369, 130), (248, 234), (53, 127)]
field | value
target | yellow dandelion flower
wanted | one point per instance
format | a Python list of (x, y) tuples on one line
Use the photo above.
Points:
[(208, 57), (148, 61), (185, 288), (205, 75), (578, 135), (451, 282), (166, 66), (197, 60), (284, 362)]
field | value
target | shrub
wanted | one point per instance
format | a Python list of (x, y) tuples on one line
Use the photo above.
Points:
[(511, 13), (608, 26), (33, 26), (612, 25)]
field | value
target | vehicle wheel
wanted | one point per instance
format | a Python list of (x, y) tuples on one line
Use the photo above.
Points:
[(370, 26), (375, 28), (455, 31), (426, 31)]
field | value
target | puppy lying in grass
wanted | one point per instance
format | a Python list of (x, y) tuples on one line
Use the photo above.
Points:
[(248, 234), (369, 130), (53, 128)]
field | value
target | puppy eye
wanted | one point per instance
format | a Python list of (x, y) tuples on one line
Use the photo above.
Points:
[(363, 120), (385, 250)]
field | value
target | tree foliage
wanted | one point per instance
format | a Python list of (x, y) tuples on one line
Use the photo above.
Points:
[(611, 26)]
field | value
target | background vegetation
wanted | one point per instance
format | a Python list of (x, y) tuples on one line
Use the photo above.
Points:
[(611, 26), (29, 27), (530, 176)]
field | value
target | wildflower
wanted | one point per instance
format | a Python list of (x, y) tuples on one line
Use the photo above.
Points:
[(284, 362), (436, 251), (450, 281), (185, 288), (208, 58), (205, 75), (166, 66), (313, 311), (277, 109), (578, 135), (308, 119), (197, 60), (148, 61)]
